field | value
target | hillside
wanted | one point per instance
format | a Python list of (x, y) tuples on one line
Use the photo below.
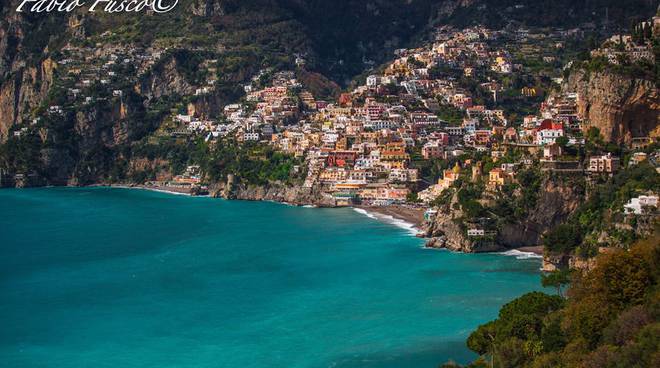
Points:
[(341, 36), (335, 40)]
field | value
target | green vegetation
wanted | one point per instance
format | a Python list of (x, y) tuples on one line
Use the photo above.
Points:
[(518, 199), (253, 164), (640, 69), (637, 70), (597, 212), (609, 320), (467, 198), (188, 64), (519, 331), (566, 13), (450, 114), (556, 279), (250, 163)]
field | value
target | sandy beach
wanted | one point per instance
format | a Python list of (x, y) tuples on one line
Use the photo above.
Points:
[(412, 215)]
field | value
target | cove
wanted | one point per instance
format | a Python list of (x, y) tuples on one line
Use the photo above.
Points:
[(110, 277)]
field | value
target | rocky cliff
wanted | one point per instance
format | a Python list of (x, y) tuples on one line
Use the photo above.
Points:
[(22, 91), (622, 107), (445, 231), (82, 146), (277, 192), (557, 198), (26, 70), (164, 80)]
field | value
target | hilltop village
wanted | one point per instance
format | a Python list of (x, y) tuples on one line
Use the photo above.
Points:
[(528, 128), (463, 126), (374, 144)]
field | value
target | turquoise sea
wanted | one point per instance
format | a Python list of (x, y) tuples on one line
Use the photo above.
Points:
[(100, 277)]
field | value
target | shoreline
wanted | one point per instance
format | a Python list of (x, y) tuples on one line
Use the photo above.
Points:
[(536, 249), (411, 215), (152, 188), (405, 217), (519, 254)]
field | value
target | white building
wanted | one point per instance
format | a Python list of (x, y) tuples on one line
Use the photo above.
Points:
[(373, 81), (251, 136), (636, 205), (548, 136)]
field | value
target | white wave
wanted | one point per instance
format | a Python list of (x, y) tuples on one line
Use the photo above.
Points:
[(400, 223), (522, 255), (390, 220), (152, 190), (364, 212), (309, 206), (167, 192)]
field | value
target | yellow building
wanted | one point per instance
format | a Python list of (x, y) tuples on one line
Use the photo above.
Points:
[(448, 178), (497, 178)]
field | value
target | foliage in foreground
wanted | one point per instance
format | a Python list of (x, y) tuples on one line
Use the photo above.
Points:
[(609, 320)]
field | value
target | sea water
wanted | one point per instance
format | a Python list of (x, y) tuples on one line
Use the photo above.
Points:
[(101, 277)]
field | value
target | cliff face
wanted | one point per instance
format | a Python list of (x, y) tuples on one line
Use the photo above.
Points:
[(165, 80), (26, 73), (295, 195), (22, 91), (622, 108), (82, 146), (557, 199), (445, 232)]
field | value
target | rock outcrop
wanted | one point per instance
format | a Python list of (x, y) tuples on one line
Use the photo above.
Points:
[(445, 231), (208, 8), (621, 107), (22, 91), (164, 80), (276, 192), (557, 199)]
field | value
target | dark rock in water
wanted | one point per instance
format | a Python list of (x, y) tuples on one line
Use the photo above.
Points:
[(436, 243)]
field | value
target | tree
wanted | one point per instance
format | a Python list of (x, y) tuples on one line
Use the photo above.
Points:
[(412, 197), (556, 279), (562, 142), (609, 320), (481, 341), (515, 336), (563, 238)]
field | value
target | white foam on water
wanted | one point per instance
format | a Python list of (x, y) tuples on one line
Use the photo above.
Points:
[(390, 220), (521, 255), (168, 192), (153, 190), (399, 223), (364, 212)]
